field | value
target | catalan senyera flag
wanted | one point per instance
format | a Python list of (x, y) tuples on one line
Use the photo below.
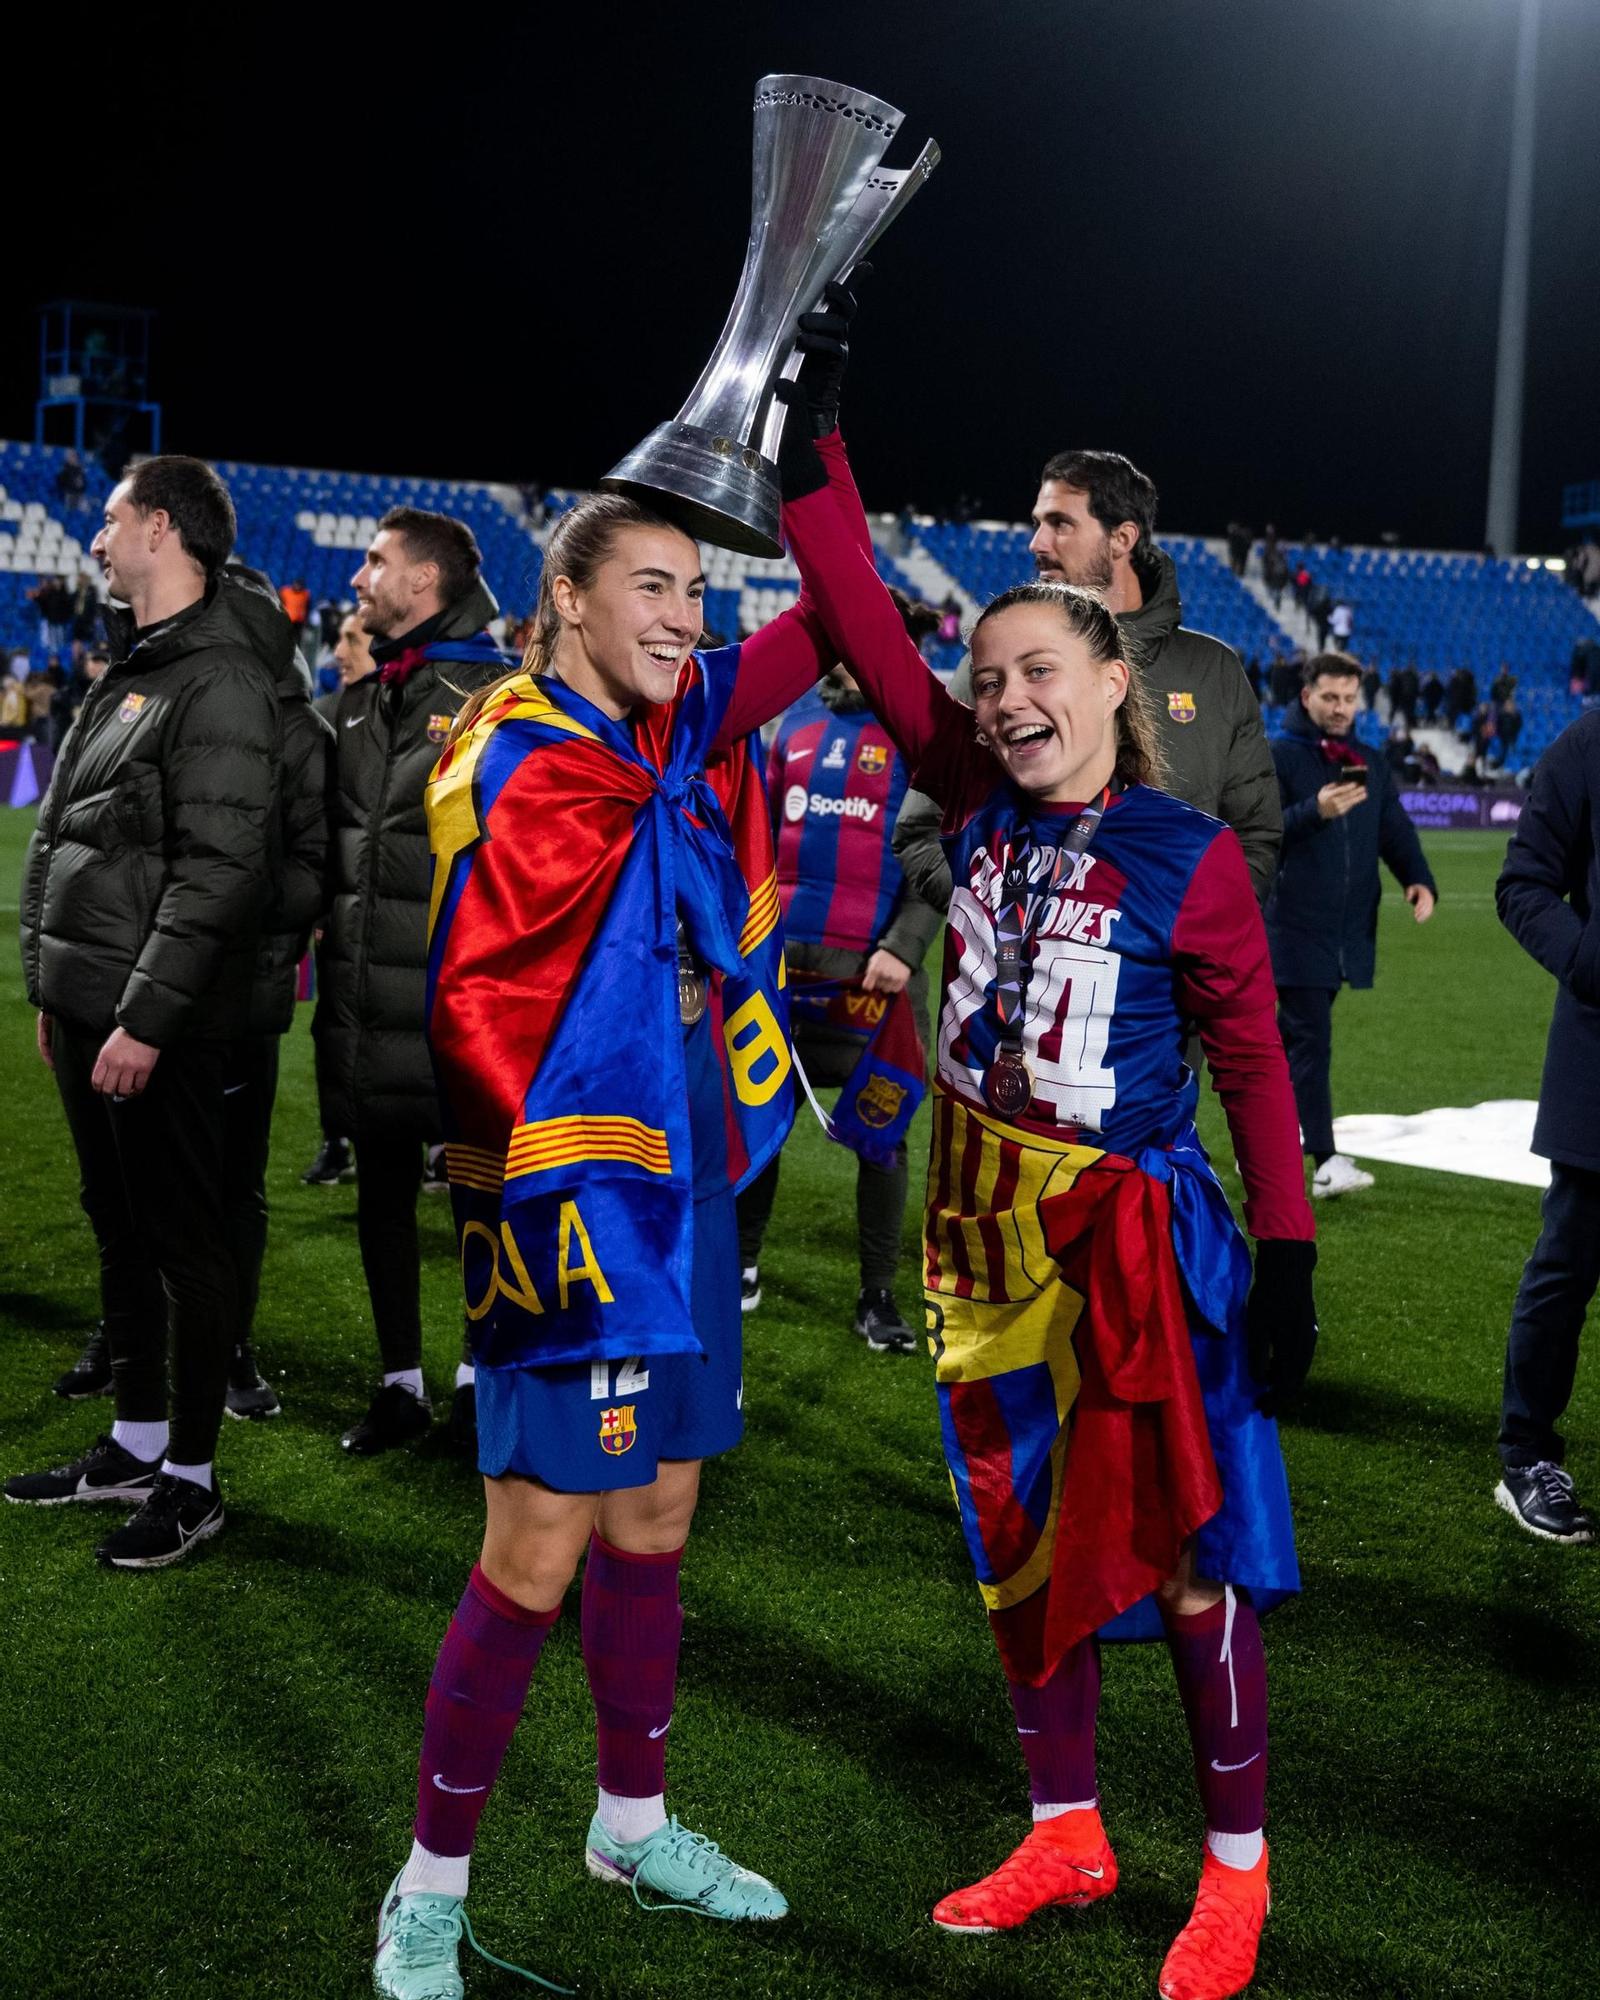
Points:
[(566, 848), (1086, 1316)]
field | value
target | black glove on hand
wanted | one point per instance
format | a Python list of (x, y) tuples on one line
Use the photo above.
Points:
[(823, 339), (1281, 1321)]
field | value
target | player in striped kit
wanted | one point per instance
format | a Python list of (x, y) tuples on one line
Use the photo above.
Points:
[(854, 928), (1105, 1361)]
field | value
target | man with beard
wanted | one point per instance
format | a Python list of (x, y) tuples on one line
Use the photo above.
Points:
[(1094, 526), (422, 601)]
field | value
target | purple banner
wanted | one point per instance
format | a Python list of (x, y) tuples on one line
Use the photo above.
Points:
[(1439, 808)]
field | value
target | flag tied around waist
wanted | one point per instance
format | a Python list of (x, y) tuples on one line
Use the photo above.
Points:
[(881, 1094), (567, 846)]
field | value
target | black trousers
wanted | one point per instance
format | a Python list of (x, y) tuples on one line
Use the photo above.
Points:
[(1558, 1281), (250, 1085), (388, 1183), (1305, 1021), (153, 1170)]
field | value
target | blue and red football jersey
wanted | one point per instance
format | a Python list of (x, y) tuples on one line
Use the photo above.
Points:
[(835, 781)]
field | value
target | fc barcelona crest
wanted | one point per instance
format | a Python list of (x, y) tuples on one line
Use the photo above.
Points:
[(879, 1104), (439, 727), (871, 758), (1181, 707), (618, 1429), (131, 705)]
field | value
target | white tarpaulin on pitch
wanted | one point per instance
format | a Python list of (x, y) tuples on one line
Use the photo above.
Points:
[(1490, 1141)]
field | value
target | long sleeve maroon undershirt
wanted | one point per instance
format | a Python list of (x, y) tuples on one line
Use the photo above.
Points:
[(1222, 974)]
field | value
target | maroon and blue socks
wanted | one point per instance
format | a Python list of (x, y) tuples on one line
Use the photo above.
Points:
[(1055, 1729), (632, 1625), (1222, 1680), (480, 1683)]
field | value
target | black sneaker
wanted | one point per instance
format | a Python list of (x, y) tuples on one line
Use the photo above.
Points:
[(1540, 1498), (333, 1164), (394, 1416), (176, 1518), (749, 1288), (879, 1324), (249, 1397), (90, 1374), (434, 1180), (106, 1475), (464, 1421)]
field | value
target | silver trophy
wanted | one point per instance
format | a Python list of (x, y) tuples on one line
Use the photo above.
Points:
[(819, 201)]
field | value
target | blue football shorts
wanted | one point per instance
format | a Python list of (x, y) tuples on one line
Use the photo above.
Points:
[(593, 1427)]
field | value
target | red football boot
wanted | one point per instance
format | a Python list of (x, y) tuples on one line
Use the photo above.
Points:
[(1064, 1860), (1214, 1955)]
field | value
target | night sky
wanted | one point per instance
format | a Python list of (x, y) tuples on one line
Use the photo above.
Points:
[(1255, 244)]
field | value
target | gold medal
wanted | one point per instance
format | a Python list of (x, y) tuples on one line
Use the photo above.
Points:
[(1008, 1084)]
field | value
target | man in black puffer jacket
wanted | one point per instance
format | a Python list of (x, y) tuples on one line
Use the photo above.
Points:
[(142, 900), (425, 605)]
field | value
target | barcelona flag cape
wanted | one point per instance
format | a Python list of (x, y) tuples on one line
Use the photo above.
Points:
[(881, 1094), (1086, 1311), (567, 848)]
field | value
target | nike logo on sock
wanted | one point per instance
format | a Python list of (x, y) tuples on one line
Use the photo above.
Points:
[(443, 1787), (1026, 1732), (663, 1729), (1235, 1767)]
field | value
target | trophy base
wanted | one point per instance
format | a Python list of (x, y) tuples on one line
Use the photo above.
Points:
[(714, 488)]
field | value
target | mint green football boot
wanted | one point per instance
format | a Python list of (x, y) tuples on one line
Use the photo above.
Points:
[(418, 1939), (683, 1871)]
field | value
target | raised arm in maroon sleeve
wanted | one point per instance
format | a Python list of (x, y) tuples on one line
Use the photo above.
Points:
[(827, 537), (1224, 979), (789, 655)]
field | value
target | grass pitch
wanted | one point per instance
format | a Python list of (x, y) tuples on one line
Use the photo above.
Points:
[(206, 1774)]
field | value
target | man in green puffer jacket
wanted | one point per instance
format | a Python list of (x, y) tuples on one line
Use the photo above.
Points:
[(424, 604), (1094, 526), (142, 901)]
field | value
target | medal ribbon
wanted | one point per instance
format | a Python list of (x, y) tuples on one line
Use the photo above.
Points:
[(1017, 919)]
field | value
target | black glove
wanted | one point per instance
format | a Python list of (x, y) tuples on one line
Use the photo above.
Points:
[(812, 398), (1281, 1321)]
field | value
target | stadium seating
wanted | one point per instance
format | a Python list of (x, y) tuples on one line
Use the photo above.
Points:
[(1438, 611)]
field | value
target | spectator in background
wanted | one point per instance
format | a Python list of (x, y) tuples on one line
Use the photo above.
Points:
[(1460, 696), (1399, 751), (1341, 816), (950, 620), (1585, 667), (52, 599), (424, 604), (296, 601), (1283, 681), (1319, 608), (1341, 623), (72, 483), (1510, 722), (1503, 686), (1274, 568), (13, 702), (330, 616), (1431, 697), (70, 698), (1584, 567), (40, 693), (352, 655), (1548, 897), (1303, 580), (1403, 691), (1239, 541)]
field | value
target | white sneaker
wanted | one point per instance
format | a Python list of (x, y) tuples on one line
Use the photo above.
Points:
[(1338, 1175)]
